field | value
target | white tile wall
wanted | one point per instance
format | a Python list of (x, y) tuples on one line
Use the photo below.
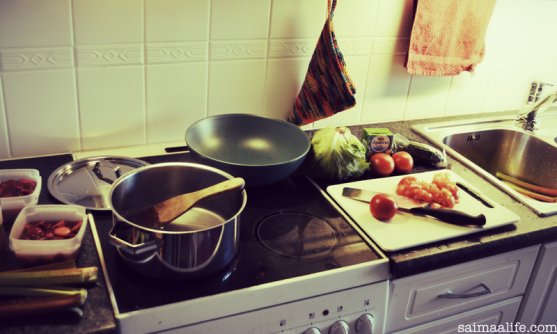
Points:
[(240, 19), (466, 93), (42, 118), (107, 21), (93, 74), (111, 104), (386, 90), (297, 19), (236, 86), (282, 83), (394, 18), (176, 20), (176, 94), (31, 23)]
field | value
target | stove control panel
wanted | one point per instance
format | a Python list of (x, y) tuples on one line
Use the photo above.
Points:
[(365, 324), (359, 310), (339, 327)]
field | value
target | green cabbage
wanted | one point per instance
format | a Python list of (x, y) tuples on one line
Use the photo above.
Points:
[(338, 154)]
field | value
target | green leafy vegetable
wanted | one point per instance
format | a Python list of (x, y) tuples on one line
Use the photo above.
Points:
[(338, 154)]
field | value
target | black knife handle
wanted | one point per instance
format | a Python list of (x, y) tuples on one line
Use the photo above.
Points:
[(450, 216)]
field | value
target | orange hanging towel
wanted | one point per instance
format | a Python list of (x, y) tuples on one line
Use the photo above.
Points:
[(448, 36)]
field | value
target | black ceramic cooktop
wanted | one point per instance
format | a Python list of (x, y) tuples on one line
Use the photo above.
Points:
[(287, 230)]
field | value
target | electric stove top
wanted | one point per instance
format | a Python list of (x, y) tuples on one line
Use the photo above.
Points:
[(301, 263), (287, 230)]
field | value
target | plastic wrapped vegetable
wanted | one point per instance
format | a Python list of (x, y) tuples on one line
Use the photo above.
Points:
[(421, 152), (338, 154)]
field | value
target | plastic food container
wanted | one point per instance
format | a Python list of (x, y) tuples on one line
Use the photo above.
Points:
[(43, 251), (11, 206)]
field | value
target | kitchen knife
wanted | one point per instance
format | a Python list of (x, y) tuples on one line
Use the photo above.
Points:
[(407, 205)]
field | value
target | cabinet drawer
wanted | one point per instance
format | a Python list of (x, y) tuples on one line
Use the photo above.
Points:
[(444, 292), (481, 320)]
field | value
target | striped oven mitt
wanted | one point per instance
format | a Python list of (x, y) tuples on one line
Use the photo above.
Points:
[(327, 89)]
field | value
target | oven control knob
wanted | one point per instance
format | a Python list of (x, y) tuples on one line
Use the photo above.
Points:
[(365, 324), (312, 330), (339, 327)]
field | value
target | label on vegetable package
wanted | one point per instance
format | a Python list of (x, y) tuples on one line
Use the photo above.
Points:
[(378, 140)]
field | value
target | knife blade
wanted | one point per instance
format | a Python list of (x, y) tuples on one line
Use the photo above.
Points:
[(404, 204)]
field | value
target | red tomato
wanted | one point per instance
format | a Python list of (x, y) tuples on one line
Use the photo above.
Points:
[(382, 164), (382, 207), (403, 162)]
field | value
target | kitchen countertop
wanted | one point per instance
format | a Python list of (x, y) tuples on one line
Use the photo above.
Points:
[(97, 311), (530, 230)]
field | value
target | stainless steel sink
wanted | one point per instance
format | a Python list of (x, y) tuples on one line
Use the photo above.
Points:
[(492, 145)]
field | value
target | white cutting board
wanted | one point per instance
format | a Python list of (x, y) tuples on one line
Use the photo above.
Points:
[(407, 230)]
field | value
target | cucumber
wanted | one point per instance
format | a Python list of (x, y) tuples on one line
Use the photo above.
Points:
[(421, 153)]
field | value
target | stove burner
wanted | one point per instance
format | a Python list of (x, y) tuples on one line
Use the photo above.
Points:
[(297, 235)]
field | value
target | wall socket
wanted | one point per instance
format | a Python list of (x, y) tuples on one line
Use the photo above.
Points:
[(536, 92)]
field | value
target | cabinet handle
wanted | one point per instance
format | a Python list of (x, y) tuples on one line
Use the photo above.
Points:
[(449, 294)]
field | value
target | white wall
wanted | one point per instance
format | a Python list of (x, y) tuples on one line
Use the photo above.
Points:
[(91, 74)]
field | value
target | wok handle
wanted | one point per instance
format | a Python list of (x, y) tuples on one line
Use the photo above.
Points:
[(451, 216)]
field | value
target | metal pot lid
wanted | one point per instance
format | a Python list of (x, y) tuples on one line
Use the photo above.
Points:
[(87, 182)]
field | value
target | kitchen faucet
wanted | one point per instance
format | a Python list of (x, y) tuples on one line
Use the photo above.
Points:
[(528, 119)]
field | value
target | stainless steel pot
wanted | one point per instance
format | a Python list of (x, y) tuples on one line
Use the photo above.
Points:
[(201, 243)]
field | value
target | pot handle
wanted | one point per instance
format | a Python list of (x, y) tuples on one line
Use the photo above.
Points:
[(97, 170), (133, 249)]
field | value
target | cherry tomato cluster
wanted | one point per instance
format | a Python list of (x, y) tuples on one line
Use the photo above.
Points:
[(441, 190), (383, 164)]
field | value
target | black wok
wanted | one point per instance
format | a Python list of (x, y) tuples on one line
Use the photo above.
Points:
[(259, 149)]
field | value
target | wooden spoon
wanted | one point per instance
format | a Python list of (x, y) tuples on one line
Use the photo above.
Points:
[(174, 207)]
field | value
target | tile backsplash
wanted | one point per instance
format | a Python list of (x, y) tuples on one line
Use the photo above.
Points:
[(80, 75)]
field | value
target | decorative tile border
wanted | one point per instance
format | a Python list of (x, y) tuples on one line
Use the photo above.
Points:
[(12, 59), (299, 48), (231, 50), (291, 48), (103, 55), (355, 46), (179, 52), (390, 45), (21, 59)]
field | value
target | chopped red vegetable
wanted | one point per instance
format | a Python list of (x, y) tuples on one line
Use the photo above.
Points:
[(14, 188), (441, 190), (50, 230)]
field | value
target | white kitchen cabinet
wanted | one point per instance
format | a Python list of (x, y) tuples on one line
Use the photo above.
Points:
[(446, 292), (540, 302), (493, 316)]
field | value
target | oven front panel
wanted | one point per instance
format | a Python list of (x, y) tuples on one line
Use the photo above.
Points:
[(361, 306)]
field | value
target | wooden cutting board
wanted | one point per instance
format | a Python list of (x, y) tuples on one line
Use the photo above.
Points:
[(407, 230)]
